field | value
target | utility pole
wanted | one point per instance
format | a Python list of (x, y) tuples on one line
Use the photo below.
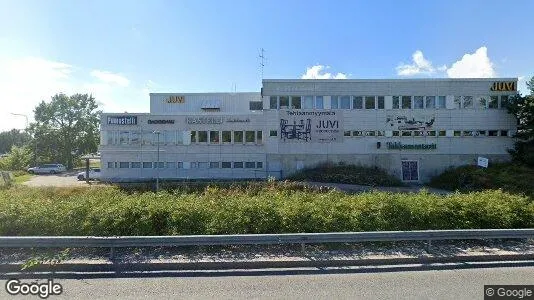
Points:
[(26, 130), (157, 163)]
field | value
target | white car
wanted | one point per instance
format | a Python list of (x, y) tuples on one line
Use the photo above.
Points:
[(47, 169), (94, 174)]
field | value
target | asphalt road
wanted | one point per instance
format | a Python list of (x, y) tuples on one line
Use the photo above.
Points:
[(433, 284), (61, 180)]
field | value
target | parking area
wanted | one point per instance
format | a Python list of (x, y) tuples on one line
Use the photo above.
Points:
[(63, 179)]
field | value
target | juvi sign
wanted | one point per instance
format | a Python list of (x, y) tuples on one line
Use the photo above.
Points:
[(311, 126)]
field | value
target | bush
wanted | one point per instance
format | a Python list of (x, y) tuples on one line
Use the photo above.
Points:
[(270, 208), (350, 174), (510, 177)]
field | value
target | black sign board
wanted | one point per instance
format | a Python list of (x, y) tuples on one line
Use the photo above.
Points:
[(160, 122), (122, 120)]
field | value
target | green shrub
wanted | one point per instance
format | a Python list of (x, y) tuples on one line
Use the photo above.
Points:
[(267, 208)]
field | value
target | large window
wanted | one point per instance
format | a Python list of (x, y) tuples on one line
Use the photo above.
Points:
[(334, 102), (124, 165), (134, 138), (430, 102), (482, 102), (319, 103), (124, 136), (494, 102), (147, 165), (170, 137), (273, 102), (457, 102), (418, 102), (442, 102), (171, 165), (345, 102), (238, 137), (357, 102), (380, 101), (504, 101), (214, 137), (193, 136), (214, 165), (396, 102), (296, 102), (250, 164), (406, 102), (238, 165), (468, 102), (226, 136), (255, 105), (179, 137), (259, 137), (369, 102), (249, 136), (202, 136), (226, 165), (135, 165), (308, 102), (284, 101)]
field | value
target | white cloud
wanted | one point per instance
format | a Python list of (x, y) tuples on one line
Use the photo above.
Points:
[(471, 65), (419, 65), (315, 72), (475, 65), (109, 77), (25, 82)]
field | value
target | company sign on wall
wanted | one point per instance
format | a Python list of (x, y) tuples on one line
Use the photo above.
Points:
[(122, 120), (176, 99), (311, 126), (503, 86)]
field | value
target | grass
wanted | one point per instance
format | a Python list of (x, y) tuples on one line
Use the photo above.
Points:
[(22, 178), (349, 174), (510, 177), (258, 208)]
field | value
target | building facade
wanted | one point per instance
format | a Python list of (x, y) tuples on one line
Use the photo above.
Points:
[(415, 129)]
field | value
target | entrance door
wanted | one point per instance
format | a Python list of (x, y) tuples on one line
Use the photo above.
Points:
[(410, 170)]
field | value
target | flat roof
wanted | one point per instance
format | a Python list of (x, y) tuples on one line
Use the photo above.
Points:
[(392, 80)]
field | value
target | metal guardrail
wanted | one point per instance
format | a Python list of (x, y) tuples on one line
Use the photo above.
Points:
[(250, 239)]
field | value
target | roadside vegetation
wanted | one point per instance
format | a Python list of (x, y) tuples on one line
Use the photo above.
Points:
[(271, 207), (349, 174), (510, 177)]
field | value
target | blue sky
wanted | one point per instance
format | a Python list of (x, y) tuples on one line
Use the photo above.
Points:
[(122, 50)]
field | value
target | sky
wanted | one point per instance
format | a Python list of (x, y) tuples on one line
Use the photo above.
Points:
[(120, 51)]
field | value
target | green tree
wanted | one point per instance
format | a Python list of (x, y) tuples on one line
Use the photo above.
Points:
[(18, 159), (66, 127), (522, 107), (14, 137)]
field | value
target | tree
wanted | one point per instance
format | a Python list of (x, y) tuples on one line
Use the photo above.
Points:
[(522, 107), (11, 138), (18, 159), (66, 127)]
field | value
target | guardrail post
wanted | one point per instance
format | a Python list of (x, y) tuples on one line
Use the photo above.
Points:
[(429, 246)]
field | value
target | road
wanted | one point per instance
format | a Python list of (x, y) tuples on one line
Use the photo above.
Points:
[(60, 180), (431, 284)]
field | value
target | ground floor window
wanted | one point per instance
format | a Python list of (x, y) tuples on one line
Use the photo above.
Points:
[(410, 170)]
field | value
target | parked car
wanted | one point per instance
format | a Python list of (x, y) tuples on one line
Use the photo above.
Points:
[(47, 169), (94, 174)]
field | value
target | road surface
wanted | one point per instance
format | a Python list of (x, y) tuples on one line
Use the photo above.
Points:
[(431, 284), (60, 180)]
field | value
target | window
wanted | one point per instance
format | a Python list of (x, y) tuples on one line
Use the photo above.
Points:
[(370, 133), (202, 136), (396, 133), (238, 137), (180, 165), (110, 137), (406, 133), (214, 165), (468, 133), (124, 165), (410, 170), (442, 133), (493, 133), (134, 138), (273, 102), (396, 102), (296, 102), (380, 133), (147, 165), (250, 165), (442, 101), (357, 102), (482, 102), (419, 133), (346, 133), (345, 102), (431, 133), (159, 165), (357, 133), (334, 102), (308, 102), (110, 165), (273, 133), (481, 132), (406, 102), (259, 137), (214, 137), (369, 102), (249, 136), (202, 165), (380, 100), (494, 102), (135, 165), (193, 136), (255, 105), (457, 133), (468, 102), (504, 101), (124, 137), (171, 165), (284, 101), (430, 102), (238, 165), (226, 165), (259, 165), (180, 137), (319, 103), (148, 137), (504, 132), (418, 102), (227, 136), (457, 102), (194, 165)]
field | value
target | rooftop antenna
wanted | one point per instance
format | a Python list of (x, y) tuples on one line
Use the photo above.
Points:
[(262, 64)]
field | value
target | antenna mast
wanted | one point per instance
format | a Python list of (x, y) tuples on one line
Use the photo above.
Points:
[(262, 64)]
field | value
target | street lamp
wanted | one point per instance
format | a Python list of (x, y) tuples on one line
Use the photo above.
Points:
[(26, 129), (157, 164)]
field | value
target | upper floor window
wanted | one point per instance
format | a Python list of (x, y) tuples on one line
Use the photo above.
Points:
[(357, 102), (418, 102), (396, 102), (370, 102), (442, 101), (319, 103), (296, 102), (380, 102), (334, 102), (273, 102), (284, 101), (406, 102), (430, 102), (255, 105), (345, 102), (308, 102)]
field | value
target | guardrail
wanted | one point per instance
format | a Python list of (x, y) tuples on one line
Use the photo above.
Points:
[(254, 239)]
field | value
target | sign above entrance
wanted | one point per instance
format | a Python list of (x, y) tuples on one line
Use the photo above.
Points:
[(176, 99), (503, 86)]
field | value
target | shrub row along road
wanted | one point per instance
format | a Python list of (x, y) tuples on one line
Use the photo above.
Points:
[(437, 284)]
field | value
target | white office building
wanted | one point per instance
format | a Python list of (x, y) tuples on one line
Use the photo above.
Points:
[(414, 128)]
